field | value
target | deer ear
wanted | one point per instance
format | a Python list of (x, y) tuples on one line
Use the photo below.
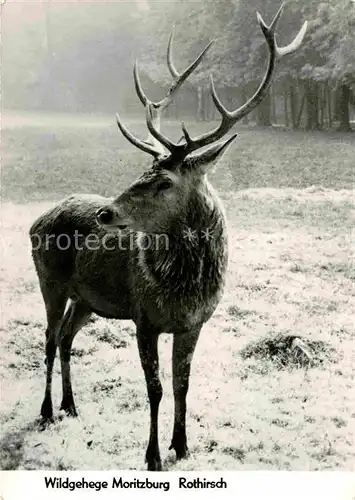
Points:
[(210, 156)]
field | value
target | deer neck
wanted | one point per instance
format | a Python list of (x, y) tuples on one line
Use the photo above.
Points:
[(191, 260)]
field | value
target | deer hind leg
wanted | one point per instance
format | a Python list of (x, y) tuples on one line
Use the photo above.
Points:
[(75, 317), (55, 305), (148, 351), (183, 348)]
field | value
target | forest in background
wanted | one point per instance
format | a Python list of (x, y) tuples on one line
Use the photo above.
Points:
[(78, 57)]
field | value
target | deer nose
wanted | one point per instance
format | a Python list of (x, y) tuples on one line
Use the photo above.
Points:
[(105, 215)]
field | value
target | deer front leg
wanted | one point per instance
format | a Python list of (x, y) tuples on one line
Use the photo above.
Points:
[(47, 407), (148, 351), (55, 305), (183, 349), (74, 319)]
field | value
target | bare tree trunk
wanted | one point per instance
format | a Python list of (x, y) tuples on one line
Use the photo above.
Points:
[(322, 105), (286, 107), (230, 101), (293, 105), (264, 112), (311, 89), (245, 98), (199, 111), (209, 107), (273, 105), (300, 111), (329, 105), (204, 105), (344, 112)]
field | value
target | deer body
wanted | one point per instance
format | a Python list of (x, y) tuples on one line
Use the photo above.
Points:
[(176, 284), (113, 263), (172, 289)]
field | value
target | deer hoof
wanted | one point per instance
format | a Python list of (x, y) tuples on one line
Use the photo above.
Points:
[(180, 448), (153, 461), (69, 409), (154, 465), (47, 411)]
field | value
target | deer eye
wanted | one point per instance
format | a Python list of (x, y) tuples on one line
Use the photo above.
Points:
[(164, 185)]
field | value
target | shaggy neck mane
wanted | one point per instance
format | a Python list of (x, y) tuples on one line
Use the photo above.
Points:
[(190, 262)]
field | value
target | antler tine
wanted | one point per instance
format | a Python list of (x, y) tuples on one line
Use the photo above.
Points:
[(144, 146), (157, 135), (169, 57), (269, 31), (229, 118), (137, 83), (293, 46), (274, 52), (179, 78), (216, 101), (276, 18), (186, 134), (156, 140), (154, 109)]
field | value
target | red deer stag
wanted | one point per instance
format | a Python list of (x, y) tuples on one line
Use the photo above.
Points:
[(172, 288)]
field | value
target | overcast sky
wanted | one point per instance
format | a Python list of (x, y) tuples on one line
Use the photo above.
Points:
[(17, 12)]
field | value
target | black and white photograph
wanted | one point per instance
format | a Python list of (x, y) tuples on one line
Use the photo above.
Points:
[(177, 238)]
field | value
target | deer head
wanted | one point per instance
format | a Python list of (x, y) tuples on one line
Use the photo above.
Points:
[(178, 171)]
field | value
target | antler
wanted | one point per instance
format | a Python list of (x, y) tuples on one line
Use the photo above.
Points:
[(153, 145), (229, 118)]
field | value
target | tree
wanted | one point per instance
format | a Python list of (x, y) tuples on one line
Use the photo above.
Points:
[(328, 61), (342, 22)]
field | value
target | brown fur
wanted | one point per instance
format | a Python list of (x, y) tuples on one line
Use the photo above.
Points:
[(174, 286)]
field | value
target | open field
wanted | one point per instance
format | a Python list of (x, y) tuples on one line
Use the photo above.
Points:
[(291, 213)]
